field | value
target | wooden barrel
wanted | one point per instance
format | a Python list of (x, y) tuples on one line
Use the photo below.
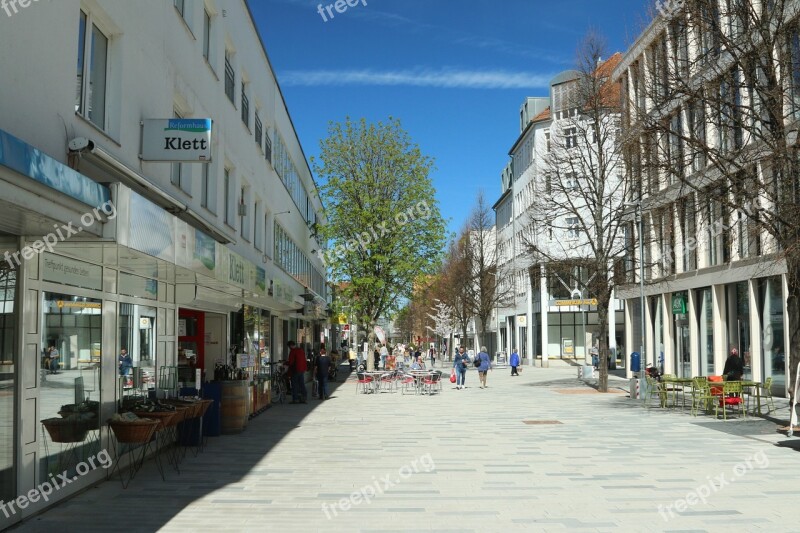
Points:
[(235, 406)]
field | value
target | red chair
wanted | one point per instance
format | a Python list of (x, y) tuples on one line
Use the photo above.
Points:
[(364, 381), (731, 397), (715, 391)]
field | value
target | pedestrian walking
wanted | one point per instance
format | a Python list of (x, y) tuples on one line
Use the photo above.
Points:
[(322, 366), (486, 365), (384, 355), (54, 356), (514, 362), (432, 353), (460, 362), (297, 370)]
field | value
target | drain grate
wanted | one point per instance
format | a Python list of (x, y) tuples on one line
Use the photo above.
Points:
[(540, 422)]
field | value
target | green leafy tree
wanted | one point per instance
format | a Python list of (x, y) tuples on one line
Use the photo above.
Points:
[(384, 227)]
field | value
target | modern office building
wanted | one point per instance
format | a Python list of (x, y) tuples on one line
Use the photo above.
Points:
[(713, 280), (544, 319), (154, 197)]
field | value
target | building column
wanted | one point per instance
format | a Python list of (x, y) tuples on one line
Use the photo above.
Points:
[(720, 328), (530, 324), (755, 332), (628, 339), (694, 335), (612, 323), (543, 299)]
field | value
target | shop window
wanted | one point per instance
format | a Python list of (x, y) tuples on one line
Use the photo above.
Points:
[(70, 378), (136, 353)]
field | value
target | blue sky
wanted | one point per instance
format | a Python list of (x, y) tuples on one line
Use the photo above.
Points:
[(455, 72)]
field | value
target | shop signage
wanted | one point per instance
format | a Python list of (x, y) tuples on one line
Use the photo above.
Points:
[(261, 280), (522, 320), (177, 139), (570, 303), (236, 269), (38, 166), (567, 347), (78, 305), (380, 334), (678, 303), (71, 272)]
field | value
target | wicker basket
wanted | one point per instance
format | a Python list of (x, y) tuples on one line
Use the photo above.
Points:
[(193, 408), (165, 418), (66, 430), (136, 431)]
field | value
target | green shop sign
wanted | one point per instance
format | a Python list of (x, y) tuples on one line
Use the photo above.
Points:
[(679, 303)]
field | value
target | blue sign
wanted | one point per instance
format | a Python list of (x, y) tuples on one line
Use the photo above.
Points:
[(38, 166)]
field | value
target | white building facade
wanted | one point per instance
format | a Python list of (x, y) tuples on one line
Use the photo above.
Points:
[(109, 242), (543, 321), (712, 281)]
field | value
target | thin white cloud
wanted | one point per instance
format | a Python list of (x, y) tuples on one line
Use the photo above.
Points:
[(443, 78)]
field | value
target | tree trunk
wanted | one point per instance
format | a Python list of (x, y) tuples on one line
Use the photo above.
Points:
[(792, 354), (602, 324)]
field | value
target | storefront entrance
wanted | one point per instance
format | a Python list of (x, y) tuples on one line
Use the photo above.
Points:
[(8, 380)]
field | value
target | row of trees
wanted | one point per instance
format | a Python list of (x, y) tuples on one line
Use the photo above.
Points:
[(465, 288)]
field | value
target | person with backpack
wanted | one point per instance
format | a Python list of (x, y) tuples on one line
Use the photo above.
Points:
[(484, 364)]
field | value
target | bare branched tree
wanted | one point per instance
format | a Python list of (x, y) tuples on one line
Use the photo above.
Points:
[(574, 227), (711, 119)]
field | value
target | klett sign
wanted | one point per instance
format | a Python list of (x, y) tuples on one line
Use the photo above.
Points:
[(177, 139)]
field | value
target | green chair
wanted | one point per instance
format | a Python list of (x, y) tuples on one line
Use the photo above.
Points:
[(766, 393), (701, 395), (654, 388), (731, 397)]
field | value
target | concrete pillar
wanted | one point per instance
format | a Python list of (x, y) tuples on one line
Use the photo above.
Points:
[(720, 328), (543, 298), (755, 332), (530, 325)]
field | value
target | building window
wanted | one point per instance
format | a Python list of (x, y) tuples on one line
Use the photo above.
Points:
[(571, 182), (547, 140), (259, 131), (230, 77), (227, 198), (243, 220), (180, 173), (573, 228), (92, 64), (245, 106), (570, 138), (267, 146), (256, 220), (204, 186), (206, 35)]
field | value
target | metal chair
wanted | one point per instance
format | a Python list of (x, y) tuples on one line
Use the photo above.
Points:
[(364, 381), (432, 382), (731, 397), (766, 393), (654, 388)]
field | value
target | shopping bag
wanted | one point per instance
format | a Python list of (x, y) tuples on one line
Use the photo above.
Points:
[(453, 376)]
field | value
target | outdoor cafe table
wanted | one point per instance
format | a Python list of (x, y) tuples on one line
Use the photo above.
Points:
[(675, 382), (419, 376), (376, 378)]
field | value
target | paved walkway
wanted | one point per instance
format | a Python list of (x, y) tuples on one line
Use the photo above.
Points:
[(464, 461)]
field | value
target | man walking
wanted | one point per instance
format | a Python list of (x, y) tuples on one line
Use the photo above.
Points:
[(322, 367), (297, 371)]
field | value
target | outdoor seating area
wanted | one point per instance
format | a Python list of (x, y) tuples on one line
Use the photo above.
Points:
[(404, 381), (710, 395)]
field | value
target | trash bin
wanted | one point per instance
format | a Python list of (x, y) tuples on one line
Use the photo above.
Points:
[(636, 361)]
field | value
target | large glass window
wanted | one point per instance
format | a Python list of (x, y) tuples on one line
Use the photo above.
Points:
[(773, 355), (8, 374), (70, 381), (136, 355), (739, 324), (705, 317)]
